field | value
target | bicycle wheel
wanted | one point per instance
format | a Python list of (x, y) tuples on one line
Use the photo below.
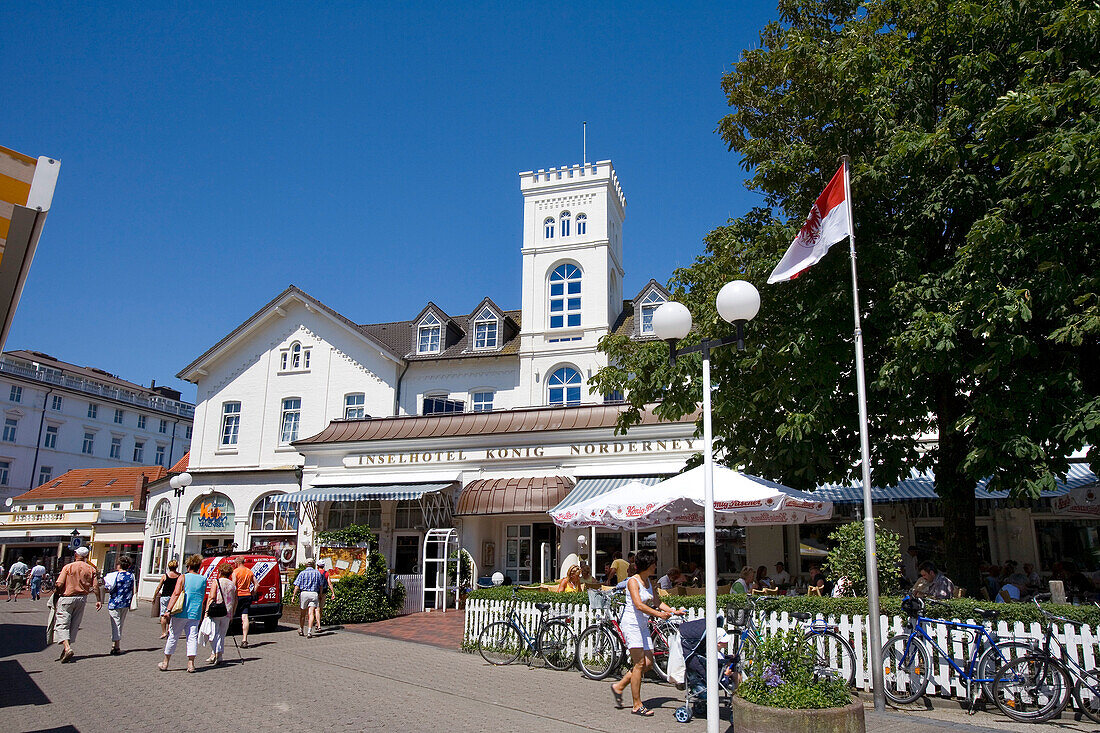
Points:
[(557, 643), (833, 653), (660, 653), (993, 658), (905, 669), (1031, 689), (499, 643), (597, 653), (1087, 694)]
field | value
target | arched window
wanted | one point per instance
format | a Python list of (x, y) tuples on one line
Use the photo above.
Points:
[(485, 330), (582, 224), (272, 515), (565, 387), (295, 355), (649, 305), (565, 296), (548, 228), (564, 219), (160, 531)]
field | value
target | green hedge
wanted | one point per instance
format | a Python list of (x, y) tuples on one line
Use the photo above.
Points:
[(962, 608)]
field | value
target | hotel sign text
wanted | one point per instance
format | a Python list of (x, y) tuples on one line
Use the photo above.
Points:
[(606, 448)]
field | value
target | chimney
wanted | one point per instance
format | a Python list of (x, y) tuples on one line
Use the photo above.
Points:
[(141, 493)]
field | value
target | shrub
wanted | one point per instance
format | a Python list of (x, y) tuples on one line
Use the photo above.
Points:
[(848, 558), (782, 675)]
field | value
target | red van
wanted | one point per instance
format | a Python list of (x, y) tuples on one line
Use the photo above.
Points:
[(268, 593)]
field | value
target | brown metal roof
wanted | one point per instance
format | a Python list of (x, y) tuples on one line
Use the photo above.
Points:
[(526, 420), (513, 495)]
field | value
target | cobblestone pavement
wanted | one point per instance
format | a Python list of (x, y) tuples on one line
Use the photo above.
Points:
[(338, 681)]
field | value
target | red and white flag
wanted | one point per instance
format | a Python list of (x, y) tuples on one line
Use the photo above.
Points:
[(827, 224)]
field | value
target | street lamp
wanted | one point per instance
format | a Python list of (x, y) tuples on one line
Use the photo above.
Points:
[(179, 484), (738, 302)]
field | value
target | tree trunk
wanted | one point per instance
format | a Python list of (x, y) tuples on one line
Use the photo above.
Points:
[(956, 491)]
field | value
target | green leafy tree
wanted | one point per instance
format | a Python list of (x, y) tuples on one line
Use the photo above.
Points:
[(975, 146), (848, 558)]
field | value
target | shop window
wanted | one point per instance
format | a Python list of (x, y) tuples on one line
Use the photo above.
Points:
[(160, 529), (272, 515), (409, 515), (346, 513), (211, 514)]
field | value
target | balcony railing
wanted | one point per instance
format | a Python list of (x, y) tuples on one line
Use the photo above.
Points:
[(87, 386)]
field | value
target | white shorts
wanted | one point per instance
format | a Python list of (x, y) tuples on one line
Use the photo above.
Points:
[(310, 599), (636, 639)]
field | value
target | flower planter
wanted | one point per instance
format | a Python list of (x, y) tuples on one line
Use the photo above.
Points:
[(750, 718)]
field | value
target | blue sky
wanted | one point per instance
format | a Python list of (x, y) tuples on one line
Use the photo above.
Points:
[(212, 154)]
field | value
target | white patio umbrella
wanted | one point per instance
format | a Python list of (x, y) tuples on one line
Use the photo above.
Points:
[(739, 499)]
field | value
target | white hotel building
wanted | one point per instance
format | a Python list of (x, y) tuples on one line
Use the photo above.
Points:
[(481, 421)]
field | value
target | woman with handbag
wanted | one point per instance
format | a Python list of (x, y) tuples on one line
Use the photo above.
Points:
[(221, 603), (185, 609), (163, 593)]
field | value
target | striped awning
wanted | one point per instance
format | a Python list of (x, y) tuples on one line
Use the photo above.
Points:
[(922, 487), (384, 492), (587, 488)]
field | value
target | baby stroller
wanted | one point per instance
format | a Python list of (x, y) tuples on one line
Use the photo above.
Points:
[(693, 643)]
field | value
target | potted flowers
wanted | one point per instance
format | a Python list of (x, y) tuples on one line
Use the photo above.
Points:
[(783, 690)]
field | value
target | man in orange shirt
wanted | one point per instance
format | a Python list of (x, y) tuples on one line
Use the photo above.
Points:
[(245, 581), (75, 581)]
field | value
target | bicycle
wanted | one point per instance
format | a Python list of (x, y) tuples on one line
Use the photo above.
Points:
[(601, 646), (502, 642), (831, 651), (907, 657), (1036, 687)]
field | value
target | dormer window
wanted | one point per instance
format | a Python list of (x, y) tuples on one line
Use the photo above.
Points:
[(548, 228), (486, 328), (295, 358), (564, 221), (427, 340), (582, 224), (649, 305)]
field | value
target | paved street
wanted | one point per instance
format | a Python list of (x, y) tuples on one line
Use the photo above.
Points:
[(339, 681)]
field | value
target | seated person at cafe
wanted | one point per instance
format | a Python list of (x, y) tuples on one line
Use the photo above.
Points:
[(763, 582), (818, 580), (586, 575), (572, 580), (781, 578), (933, 583), (694, 574), (744, 583), (671, 579), (1014, 588)]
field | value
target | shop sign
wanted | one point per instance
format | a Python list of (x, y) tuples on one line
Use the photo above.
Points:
[(1084, 501), (212, 514), (566, 450), (341, 560)]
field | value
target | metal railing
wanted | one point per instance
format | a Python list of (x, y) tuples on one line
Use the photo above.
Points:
[(87, 386)]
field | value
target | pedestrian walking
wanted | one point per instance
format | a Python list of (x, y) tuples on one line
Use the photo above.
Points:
[(17, 578), (185, 623), (329, 591), (120, 589), (75, 581), (635, 628), (37, 573), (245, 582), (221, 603), (163, 593), (308, 585)]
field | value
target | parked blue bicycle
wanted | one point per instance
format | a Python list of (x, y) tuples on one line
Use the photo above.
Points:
[(907, 658), (553, 639)]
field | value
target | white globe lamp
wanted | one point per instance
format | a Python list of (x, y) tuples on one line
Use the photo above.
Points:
[(738, 301)]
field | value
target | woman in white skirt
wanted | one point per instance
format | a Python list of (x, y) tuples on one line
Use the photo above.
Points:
[(635, 626)]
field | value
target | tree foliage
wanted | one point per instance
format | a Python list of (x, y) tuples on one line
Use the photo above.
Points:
[(975, 146), (848, 558)]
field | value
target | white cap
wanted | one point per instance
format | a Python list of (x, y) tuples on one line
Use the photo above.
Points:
[(82, 551), (320, 563)]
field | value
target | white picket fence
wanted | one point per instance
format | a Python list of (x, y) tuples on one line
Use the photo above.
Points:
[(1080, 644)]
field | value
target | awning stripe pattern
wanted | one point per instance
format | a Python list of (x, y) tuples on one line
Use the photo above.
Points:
[(390, 492), (587, 488), (922, 487)]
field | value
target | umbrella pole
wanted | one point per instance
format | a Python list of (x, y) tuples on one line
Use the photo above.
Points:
[(710, 553)]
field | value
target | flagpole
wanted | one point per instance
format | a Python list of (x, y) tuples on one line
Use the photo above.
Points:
[(873, 615)]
